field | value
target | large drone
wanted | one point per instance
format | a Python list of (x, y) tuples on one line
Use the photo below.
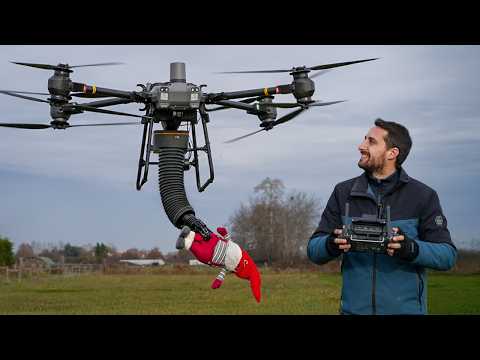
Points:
[(174, 103)]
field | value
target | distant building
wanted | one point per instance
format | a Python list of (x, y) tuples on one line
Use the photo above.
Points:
[(38, 262), (144, 262)]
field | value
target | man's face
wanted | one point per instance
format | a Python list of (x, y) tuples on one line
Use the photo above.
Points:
[(373, 150)]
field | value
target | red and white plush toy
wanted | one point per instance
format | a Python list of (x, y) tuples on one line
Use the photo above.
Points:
[(220, 251)]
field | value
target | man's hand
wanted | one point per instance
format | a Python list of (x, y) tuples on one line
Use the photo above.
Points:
[(396, 242), (336, 245), (402, 246)]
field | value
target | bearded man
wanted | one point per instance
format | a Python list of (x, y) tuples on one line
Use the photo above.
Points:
[(394, 282)]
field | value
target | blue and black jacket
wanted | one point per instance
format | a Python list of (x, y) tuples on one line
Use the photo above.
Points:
[(379, 283)]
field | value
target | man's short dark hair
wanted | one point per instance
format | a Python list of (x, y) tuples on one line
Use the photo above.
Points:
[(397, 136)]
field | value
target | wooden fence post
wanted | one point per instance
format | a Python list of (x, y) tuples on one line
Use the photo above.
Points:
[(20, 268)]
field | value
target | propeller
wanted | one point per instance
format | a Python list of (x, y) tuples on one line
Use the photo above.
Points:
[(26, 92), (77, 94), (282, 120), (70, 107), (317, 67), (26, 126), (17, 94), (314, 103), (63, 67), (319, 73), (286, 117), (242, 137), (45, 126)]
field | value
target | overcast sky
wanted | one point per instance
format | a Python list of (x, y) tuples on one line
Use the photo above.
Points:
[(78, 185)]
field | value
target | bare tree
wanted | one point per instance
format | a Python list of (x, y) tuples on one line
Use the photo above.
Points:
[(131, 254), (155, 253), (275, 227), (25, 250)]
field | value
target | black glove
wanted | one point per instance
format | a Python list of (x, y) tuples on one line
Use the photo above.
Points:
[(333, 248), (408, 248)]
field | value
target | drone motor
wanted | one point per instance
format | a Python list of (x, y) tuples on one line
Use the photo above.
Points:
[(302, 86)]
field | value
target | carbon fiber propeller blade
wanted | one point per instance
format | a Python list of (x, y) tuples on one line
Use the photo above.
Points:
[(321, 72), (320, 103), (243, 137), (292, 105), (25, 92), (81, 94), (63, 68), (39, 66), (26, 126), (289, 116), (317, 67), (334, 65), (45, 126), (282, 120), (97, 64), (284, 105), (24, 97)]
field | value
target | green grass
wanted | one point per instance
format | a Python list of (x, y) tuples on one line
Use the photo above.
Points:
[(453, 294), (289, 292)]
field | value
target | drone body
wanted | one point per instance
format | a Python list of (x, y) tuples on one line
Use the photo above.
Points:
[(172, 104)]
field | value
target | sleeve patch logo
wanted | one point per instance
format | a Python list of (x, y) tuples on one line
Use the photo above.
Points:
[(439, 220)]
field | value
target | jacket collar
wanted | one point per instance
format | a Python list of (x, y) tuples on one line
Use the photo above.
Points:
[(360, 186)]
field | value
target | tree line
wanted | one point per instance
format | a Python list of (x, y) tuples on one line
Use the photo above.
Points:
[(72, 254), (274, 226)]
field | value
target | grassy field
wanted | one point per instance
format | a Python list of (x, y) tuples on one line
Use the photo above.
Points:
[(287, 292)]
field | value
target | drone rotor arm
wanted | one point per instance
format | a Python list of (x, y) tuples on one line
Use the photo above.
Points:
[(82, 107), (237, 105), (264, 92), (94, 90), (253, 72), (108, 124), (88, 96), (245, 101), (107, 102)]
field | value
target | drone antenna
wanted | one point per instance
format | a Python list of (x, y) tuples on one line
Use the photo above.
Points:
[(177, 72)]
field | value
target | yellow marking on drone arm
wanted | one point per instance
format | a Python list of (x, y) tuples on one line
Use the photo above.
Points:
[(94, 89), (265, 91)]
